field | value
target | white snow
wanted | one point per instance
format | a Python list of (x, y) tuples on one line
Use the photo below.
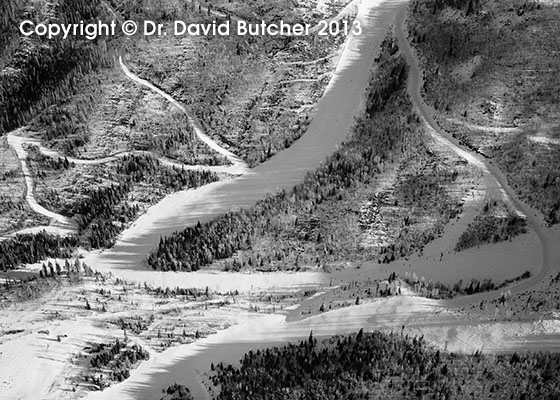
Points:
[(544, 140), (484, 128)]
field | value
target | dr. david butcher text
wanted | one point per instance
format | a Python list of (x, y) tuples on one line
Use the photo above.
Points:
[(244, 28)]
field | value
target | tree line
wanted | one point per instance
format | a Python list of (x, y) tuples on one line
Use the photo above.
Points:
[(30, 248), (384, 365)]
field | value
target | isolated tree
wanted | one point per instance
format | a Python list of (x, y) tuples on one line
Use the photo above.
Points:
[(77, 265)]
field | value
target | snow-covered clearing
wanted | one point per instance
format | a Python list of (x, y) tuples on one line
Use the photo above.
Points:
[(483, 128), (544, 140)]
